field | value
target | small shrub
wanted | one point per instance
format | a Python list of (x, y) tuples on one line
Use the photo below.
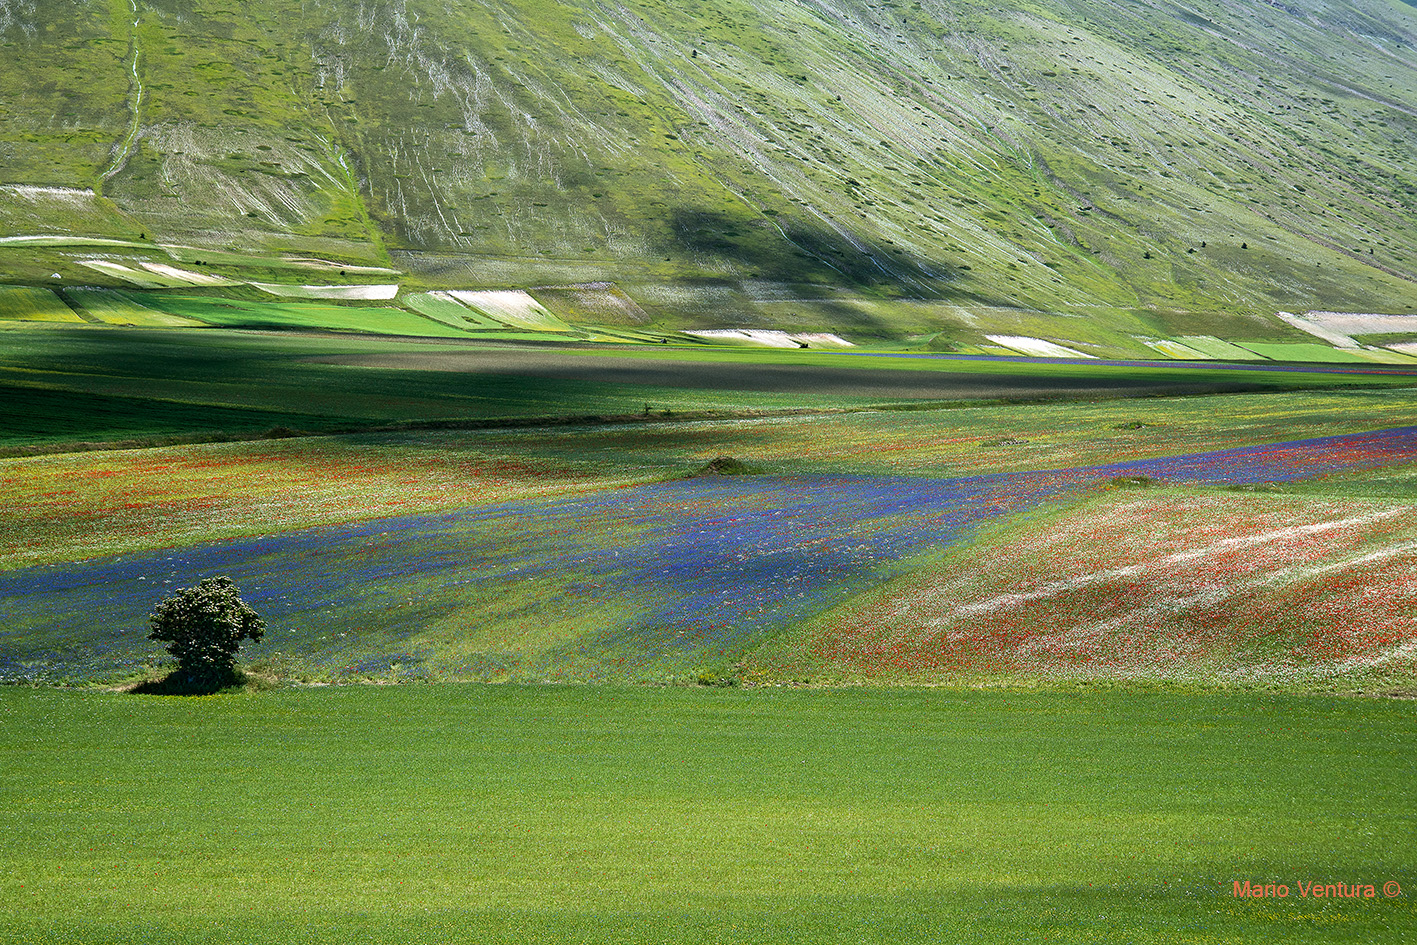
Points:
[(203, 627), (727, 466)]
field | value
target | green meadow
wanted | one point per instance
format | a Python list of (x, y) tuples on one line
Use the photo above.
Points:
[(67, 385), (473, 813)]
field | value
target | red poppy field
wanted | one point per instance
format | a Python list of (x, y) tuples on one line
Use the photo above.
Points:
[(1142, 584)]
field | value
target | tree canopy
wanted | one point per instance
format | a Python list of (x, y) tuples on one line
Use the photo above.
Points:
[(203, 627)]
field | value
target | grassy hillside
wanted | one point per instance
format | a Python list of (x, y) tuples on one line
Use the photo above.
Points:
[(1162, 170)]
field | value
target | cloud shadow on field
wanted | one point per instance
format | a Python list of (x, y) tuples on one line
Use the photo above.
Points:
[(794, 251)]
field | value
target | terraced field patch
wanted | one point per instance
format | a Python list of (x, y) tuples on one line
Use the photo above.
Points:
[(444, 308), (1315, 353), (21, 303), (121, 308), (382, 291), (512, 307), (238, 313)]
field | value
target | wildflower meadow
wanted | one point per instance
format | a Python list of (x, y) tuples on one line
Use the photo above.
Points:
[(651, 581)]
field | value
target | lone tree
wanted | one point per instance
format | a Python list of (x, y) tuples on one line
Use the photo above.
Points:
[(203, 626)]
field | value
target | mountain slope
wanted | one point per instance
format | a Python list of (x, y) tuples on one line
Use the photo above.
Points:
[(1159, 166)]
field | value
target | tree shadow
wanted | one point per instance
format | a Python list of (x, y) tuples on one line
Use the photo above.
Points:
[(178, 683)]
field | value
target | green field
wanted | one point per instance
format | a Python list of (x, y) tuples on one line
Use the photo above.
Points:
[(989, 807), (206, 382), (34, 305), (450, 313), (312, 316), (585, 626), (37, 415), (1306, 352), (558, 814), (1025, 805), (111, 307)]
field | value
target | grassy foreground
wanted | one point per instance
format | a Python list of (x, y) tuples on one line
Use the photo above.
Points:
[(487, 814)]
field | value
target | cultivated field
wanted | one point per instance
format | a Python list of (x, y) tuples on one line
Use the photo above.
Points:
[(1105, 657), (752, 471), (594, 552), (76, 385), (601, 814), (1154, 585)]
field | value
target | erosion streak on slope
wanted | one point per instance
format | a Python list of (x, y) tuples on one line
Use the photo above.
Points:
[(135, 106)]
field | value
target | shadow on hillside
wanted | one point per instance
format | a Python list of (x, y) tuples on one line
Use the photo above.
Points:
[(793, 251)]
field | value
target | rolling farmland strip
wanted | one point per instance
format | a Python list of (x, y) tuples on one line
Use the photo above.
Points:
[(649, 580), (1210, 587), (235, 313), (34, 305), (118, 308)]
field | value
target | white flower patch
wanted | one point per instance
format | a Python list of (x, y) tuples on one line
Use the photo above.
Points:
[(771, 338), (512, 306), (185, 275), (1036, 347)]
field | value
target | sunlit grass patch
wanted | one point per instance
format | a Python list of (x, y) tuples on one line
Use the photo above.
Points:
[(1316, 353), (444, 308), (513, 308), (239, 313), (21, 303), (547, 814), (120, 308), (1218, 349), (141, 278)]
